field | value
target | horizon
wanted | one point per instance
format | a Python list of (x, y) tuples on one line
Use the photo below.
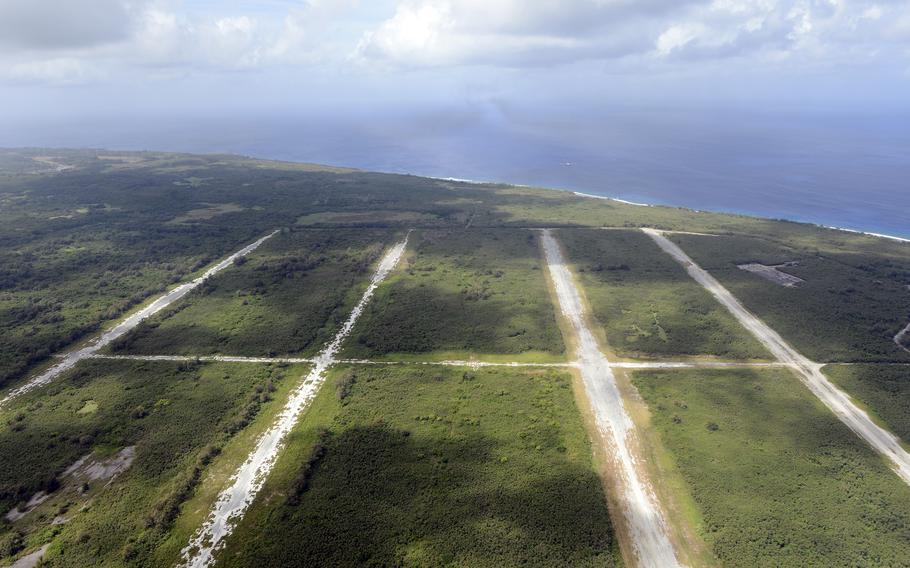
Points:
[(438, 283), (111, 57), (801, 107)]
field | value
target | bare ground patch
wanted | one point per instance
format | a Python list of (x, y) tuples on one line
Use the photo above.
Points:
[(365, 218), (88, 468), (773, 273), (210, 211), (52, 163)]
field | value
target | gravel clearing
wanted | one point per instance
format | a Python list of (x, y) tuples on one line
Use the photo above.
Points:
[(773, 273)]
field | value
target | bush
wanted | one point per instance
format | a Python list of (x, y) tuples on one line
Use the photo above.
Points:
[(302, 481), (11, 543), (345, 384)]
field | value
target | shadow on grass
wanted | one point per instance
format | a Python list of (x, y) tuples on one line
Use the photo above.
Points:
[(780, 481), (384, 497)]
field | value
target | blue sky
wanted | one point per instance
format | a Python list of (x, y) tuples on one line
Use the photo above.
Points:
[(79, 57)]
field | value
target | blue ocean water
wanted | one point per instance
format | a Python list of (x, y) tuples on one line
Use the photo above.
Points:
[(825, 167)]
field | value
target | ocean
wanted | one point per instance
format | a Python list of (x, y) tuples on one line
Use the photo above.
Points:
[(849, 170)]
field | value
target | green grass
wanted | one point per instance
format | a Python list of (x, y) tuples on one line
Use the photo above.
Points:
[(432, 467), (81, 246), (852, 303), (648, 305), (177, 416), (779, 480), (468, 485), (368, 219), (288, 298), (883, 389), (466, 292), (218, 475)]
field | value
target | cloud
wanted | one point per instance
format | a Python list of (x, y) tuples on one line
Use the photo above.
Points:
[(426, 33), (62, 71), (72, 41), (166, 39), (512, 32), (57, 24)]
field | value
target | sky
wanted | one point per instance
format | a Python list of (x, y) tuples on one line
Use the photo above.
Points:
[(85, 58)]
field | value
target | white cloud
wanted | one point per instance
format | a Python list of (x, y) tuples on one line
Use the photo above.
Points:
[(510, 32), (230, 42), (60, 24), (81, 40), (84, 39), (58, 72), (516, 33), (412, 34), (678, 36)]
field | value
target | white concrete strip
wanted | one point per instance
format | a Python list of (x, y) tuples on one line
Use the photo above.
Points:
[(671, 232), (442, 363), (30, 560), (249, 478), (691, 233), (241, 359), (646, 525), (901, 336), (204, 358), (692, 365), (69, 360), (456, 363), (808, 371)]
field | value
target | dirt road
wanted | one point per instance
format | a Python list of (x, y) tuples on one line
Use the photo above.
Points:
[(646, 525), (69, 360), (808, 371), (249, 478)]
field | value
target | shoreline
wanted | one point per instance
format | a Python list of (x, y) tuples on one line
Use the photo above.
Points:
[(871, 234), (639, 204), (481, 182), (831, 227)]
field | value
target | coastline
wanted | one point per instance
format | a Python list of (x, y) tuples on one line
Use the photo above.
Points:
[(879, 235), (616, 199), (831, 227), (582, 194), (638, 204)]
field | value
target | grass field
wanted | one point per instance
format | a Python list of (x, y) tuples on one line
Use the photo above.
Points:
[(432, 467), (466, 292), (852, 303), (648, 305), (81, 245), (882, 389), (420, 465), (177, 417), (779, 481), (288, 298)]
